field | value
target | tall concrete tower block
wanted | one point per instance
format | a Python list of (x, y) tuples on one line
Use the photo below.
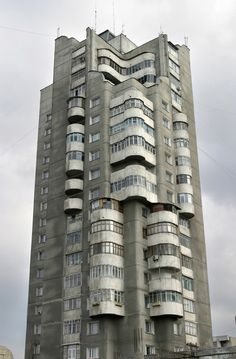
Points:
[(118, 264)]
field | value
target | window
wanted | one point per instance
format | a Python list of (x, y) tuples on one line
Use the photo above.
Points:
[(74, 258), (107, 248), (74, 219), (107, 225), (165, 106), (44, 190), (92, 328), (131, 121), (73, 280), (191, 328), (167, 141), (186, 262), (189, 305), (71, 326), (95, 119), (168, 158), (42, 222), (45, 175), (181, 142), (105, 295), (132, 180), (106, 270), (184, 222), (39, 292), (149, 327), (166, 122), (169, 196), (169, 177), (71, 351), (43, 206), (165, 296), (173, 66), (94, 193), (183, 179), (73, 237), (75, 155), (94, 155), (40, 255), (182, 161), (145, 212), (184, 240), (72, 304), (46, 145), (161, 227), (150, 349), (187, 283), (36, 349), (184, 198), (175, 97), (75, 137), (38, 309), (92, 353), (47, 131), (172, 51), (93, 137), (49, 118), (46, 159), (163, 249), (94, 102), (94, 174), (132, 141), (177, 328), (180, 126), (37, 328), (42, 238), (40, 273)]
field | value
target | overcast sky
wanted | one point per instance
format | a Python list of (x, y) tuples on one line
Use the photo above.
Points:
[(27, 32)]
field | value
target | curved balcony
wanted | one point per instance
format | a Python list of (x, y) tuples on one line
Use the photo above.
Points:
[(76, 111), (73, 186), (131, 131), (159, 238), (164, 261), (180, 134), (73, 205), (105, 236), (180, 117), (162, 216), (106, 208), (106, 308), (166, 308), (74, 167), (75, 127), (106, 283), (186, 170), (74, 146), (165, 284), (182, 151), (100, 259), (134, 152)]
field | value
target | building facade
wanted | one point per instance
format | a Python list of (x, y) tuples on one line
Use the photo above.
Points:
[(118, 263)]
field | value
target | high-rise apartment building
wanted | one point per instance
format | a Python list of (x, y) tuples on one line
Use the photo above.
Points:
[(118, 263)]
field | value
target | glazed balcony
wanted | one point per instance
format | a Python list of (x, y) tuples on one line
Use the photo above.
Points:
[(165, 283), (76, 112), (166, 308)]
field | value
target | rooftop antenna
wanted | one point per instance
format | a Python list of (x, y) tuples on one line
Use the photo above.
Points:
[(123, 28), (58, 31), (186, 41), (113, 5), (161, 31)]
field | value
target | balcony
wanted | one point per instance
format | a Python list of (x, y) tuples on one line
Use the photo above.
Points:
[(73, 205), (166, 308), (73, 186), (164, 261), (74, 167), (76, 111), (165, 283), (162, 216), (106, 308)]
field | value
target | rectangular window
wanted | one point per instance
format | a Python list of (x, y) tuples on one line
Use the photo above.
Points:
[(73, 280), (42, 238), (92, 328), (40, 255), (94, 102), (73, 258), (71, 351), (37, 328), (93, 137), (47, 131), (49, 118), (39, 292), (167, 141), (44, 190), (94, 173), (191, 328), (177, 328), (73, 237), (38, 309), (94, 193), (40, 273), (45, 174), (150, 350), (186, 262), (165, 106), (149, 327), (43, 206), (42, 222), (71, 326), (92, 353), (95, 119), (169, 196), (46, 159), (94, 155), (166, 122), (36, 349), (72, 304), (187, 283), (189, 305), (168, 158), (169, 177), (46, 145)]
